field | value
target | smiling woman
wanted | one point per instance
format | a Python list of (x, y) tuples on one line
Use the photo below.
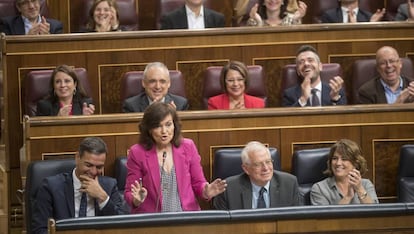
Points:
[(66, 95), (103, 16)]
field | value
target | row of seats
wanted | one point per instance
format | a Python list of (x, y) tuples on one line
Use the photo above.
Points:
[(129, 16), (307, 166), (36, 82)]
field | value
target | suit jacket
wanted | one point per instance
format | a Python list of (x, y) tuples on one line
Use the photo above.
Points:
[(283, 191), (372, 91), (144, 164), (222, 102), (402, 13), (14, 25), (335, 16), (139, 102), (55, 198), (177, 19), (291, 96), (46, 107)]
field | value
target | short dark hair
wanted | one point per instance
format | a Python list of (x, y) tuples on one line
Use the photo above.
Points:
[(153, 115), (305, 48), (236, 66), (93, 145)]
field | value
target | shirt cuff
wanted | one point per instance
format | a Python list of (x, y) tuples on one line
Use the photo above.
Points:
[(103, 204)]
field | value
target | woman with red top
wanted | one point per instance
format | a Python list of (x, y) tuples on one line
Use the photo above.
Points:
[(235, 80), (66, 95)]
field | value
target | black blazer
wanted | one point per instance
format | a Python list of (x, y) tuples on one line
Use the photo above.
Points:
[(291, 96), (13, 25), (283, 191), (177, 19), (45, 107), (55, 198), (139, 102), (335, 16)]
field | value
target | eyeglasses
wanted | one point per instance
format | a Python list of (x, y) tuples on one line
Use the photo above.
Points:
[(258, 165), (390, 62)]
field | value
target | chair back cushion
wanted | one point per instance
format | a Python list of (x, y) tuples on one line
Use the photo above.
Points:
[(308, 166), (36, 172), (121, 172), (227, 162), (212, 84), (37, 87), (364, 70), (165, 7), (406, 174), (131, 84)]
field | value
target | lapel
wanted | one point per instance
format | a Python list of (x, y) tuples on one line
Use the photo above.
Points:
[(339, 15), (70, 201), (154, 168), (207, 19), (179, 156), (246, 193), (380, 91), (325, 98), (183, 20), (274, 193), (19, 26)]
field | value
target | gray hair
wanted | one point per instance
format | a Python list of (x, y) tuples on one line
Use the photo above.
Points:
[(252, 146)]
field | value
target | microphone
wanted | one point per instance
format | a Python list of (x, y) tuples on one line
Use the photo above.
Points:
[(164, 156)]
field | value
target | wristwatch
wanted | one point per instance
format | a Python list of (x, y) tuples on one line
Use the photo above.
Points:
[(337, 100)]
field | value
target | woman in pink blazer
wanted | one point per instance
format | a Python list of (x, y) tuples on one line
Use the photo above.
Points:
[(164, 170), (235, 79)]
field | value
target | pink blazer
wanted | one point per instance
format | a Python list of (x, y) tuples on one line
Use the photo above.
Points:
[(144, 164), (222, 102)]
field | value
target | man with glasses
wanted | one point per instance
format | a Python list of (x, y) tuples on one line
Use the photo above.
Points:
[(156, 83), (29, 22), (259, 186), (389, 87)]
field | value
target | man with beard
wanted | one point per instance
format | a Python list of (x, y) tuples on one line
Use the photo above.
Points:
[(312, 91), (389, 87), (349, 12), (84, 192)]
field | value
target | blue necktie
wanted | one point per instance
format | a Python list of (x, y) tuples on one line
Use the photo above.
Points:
[(260, 201), (83, 205)]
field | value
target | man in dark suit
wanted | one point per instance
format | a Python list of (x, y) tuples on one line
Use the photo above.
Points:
[(29, 21), (349, 12), (60, 196), (193, 15), (405, 12), (259, 186), (390, 87), (312, 91), (156, 83)]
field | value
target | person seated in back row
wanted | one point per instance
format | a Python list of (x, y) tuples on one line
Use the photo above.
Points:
[(312, 91), (349, 12), (103, 17), (275, 13), (405, 12), (29, 22), (193, 15), (259, 186), (156, 83), (234, 79), (390, 86)]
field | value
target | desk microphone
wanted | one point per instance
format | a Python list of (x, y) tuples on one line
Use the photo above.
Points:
[(164, 155)]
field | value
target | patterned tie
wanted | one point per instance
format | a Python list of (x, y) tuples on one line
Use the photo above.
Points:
[(83, 205), (260, 201), (315, 99)]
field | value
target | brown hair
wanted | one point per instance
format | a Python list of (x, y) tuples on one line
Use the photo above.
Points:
[(236, 66), (349, 150), (91, 21), (79, 93), (153, 115)]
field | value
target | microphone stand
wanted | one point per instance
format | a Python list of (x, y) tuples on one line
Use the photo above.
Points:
[(164, 155)]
